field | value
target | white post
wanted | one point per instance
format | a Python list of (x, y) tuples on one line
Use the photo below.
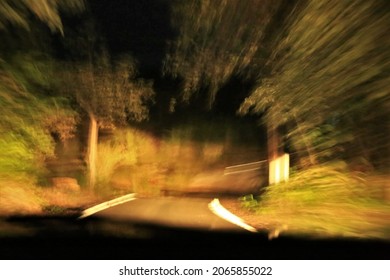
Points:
[(279, 169)]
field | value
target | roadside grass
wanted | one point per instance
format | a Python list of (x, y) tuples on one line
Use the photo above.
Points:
[(61, 202), (21, 196), (129, 160), (325, 201), (136, 161), (18, 196), (155, 164)]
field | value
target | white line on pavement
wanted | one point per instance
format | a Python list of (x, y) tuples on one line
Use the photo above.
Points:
[(107, 204), (222, 212)]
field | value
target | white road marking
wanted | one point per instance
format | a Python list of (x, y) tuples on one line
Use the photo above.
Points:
[(222, 212), (107, 204)]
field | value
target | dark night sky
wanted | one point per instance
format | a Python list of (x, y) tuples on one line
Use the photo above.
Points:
[(139, 27)]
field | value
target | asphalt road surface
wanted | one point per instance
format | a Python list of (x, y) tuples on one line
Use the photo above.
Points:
[(181, 212), (165, 228)]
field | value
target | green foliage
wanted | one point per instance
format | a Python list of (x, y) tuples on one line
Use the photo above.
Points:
[(327, 183), (249, 201), (329, 77), (326, 200), (28, 118), (107, 89), (30, 112), (119, 151)]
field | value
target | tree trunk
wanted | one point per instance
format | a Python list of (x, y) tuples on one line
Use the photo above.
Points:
[(92, 150)]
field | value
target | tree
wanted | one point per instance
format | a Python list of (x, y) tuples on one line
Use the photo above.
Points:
[(329, 76), (220, 40), (48, 11), (110, 93), (30, 111), (217, 40), (29, 117)]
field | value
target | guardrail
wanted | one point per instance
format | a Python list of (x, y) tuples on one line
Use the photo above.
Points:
[(246, 167)]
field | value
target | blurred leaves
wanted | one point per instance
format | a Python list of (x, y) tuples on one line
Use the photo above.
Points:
[(216, 40), (109, 89), (322, 68), (326, 200), (329, 76), (29, 116), (31, 112), (18, 12)]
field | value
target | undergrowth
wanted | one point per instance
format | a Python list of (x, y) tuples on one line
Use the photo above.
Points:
[(326, 200)]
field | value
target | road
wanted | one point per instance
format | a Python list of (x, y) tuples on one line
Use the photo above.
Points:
[(166, 228), (182, 212)]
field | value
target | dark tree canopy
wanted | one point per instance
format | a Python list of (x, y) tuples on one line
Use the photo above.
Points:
[(217, 39), (17, 12), (329, 78), (111, 91)]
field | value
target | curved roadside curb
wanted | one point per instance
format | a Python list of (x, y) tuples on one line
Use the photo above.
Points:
[(94, 209), (225, 214)]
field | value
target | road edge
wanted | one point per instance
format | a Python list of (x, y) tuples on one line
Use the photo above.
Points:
[(102, 206), (216, 207)]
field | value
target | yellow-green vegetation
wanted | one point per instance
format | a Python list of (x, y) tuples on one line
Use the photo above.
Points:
[(29, 119), (18, 196), (326, 200), (62, 202), (331, 106), (122, 151), (138, 161), (23, 196)]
